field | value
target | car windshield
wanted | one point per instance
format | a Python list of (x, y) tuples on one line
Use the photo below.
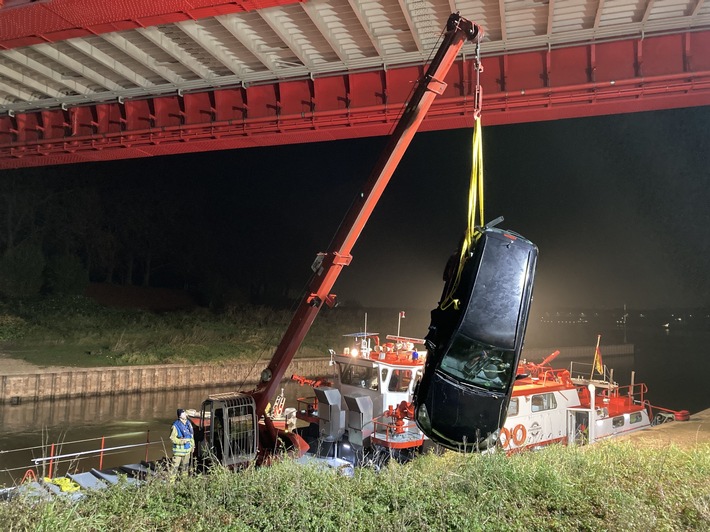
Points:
[(481, 365)]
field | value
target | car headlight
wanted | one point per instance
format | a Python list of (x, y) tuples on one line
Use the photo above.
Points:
[(423, 419), (490, 441)]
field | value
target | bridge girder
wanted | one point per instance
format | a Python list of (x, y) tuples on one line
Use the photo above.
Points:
[(661, 72)]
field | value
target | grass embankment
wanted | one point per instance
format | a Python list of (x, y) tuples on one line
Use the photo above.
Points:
[(610, 486), (78, 332)]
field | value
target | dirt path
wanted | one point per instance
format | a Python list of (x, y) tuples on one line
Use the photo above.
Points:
[(15, 366), (685, 434)]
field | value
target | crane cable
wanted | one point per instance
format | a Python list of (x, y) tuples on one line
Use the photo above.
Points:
[(475, 194)]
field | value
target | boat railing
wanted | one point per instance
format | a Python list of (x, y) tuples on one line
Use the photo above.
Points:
[(544, 375), (583, 373), (633, 393), (307, 407), (392, 431), (50, 465)]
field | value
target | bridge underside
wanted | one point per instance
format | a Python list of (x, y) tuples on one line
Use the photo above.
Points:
[(662, 72)]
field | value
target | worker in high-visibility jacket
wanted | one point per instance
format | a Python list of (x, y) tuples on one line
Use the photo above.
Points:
[(183, 438)]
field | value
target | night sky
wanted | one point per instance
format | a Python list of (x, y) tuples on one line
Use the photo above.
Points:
[(618, 206)]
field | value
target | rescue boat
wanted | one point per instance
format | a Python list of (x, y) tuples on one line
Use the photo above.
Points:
[(371, 404), (570, 406)]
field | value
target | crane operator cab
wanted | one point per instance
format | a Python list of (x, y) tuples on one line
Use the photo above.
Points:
[(228, 432), (474, 343)]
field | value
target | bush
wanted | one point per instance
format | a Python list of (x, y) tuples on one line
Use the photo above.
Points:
[(66, 275), (21, 270), (12, 327), (217, 292)]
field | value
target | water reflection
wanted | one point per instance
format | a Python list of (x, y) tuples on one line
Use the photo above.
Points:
[(59, 415)]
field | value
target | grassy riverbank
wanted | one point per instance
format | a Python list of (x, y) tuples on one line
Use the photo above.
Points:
[(613, 486), (76, 331)]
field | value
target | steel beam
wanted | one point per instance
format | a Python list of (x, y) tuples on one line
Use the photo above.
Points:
[(590, 80), (58, 20)]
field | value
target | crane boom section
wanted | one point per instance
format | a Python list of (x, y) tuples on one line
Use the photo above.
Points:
[(328, 266)]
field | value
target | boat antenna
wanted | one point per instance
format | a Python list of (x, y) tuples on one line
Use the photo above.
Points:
[(364, 338)]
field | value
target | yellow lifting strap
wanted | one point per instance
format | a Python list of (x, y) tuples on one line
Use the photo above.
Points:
[(475, 205)]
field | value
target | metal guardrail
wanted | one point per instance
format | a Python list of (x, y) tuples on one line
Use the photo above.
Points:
[(53, 460)]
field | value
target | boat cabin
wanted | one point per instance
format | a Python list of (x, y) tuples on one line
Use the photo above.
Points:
[(385, 372)]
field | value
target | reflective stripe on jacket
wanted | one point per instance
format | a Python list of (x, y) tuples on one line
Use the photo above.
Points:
[(180, 431)]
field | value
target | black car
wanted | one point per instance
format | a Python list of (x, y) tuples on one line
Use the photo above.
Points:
[(474, 343)]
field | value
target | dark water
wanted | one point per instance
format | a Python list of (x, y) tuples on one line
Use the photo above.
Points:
[(672, 363), (675, 366)]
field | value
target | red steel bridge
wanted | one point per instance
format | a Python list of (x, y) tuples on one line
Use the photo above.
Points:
[(90, 80)]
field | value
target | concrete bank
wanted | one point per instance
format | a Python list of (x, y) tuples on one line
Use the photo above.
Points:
[(86, 382)]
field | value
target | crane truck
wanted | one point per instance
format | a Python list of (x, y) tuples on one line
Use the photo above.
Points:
[(233, 429)]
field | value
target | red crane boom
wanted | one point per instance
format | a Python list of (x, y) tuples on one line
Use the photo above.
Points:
[(328, 265)]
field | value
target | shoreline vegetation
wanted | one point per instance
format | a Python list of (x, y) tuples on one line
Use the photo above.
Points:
[(158, 326), (610, 486), (75, 331)]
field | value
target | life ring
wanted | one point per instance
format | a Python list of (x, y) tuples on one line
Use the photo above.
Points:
[(519, 434), (504, 438)]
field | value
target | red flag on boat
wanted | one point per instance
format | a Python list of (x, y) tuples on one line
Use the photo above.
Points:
[(598, 366), (401, 314)]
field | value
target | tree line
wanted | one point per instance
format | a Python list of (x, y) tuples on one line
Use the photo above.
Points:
[(59, 232)]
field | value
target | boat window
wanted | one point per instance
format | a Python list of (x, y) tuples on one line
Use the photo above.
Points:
[(383, 374), (513, 407), (545, 401), (636, 417), (361, 376), (474, 363), (617, 422), (400, 380)]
